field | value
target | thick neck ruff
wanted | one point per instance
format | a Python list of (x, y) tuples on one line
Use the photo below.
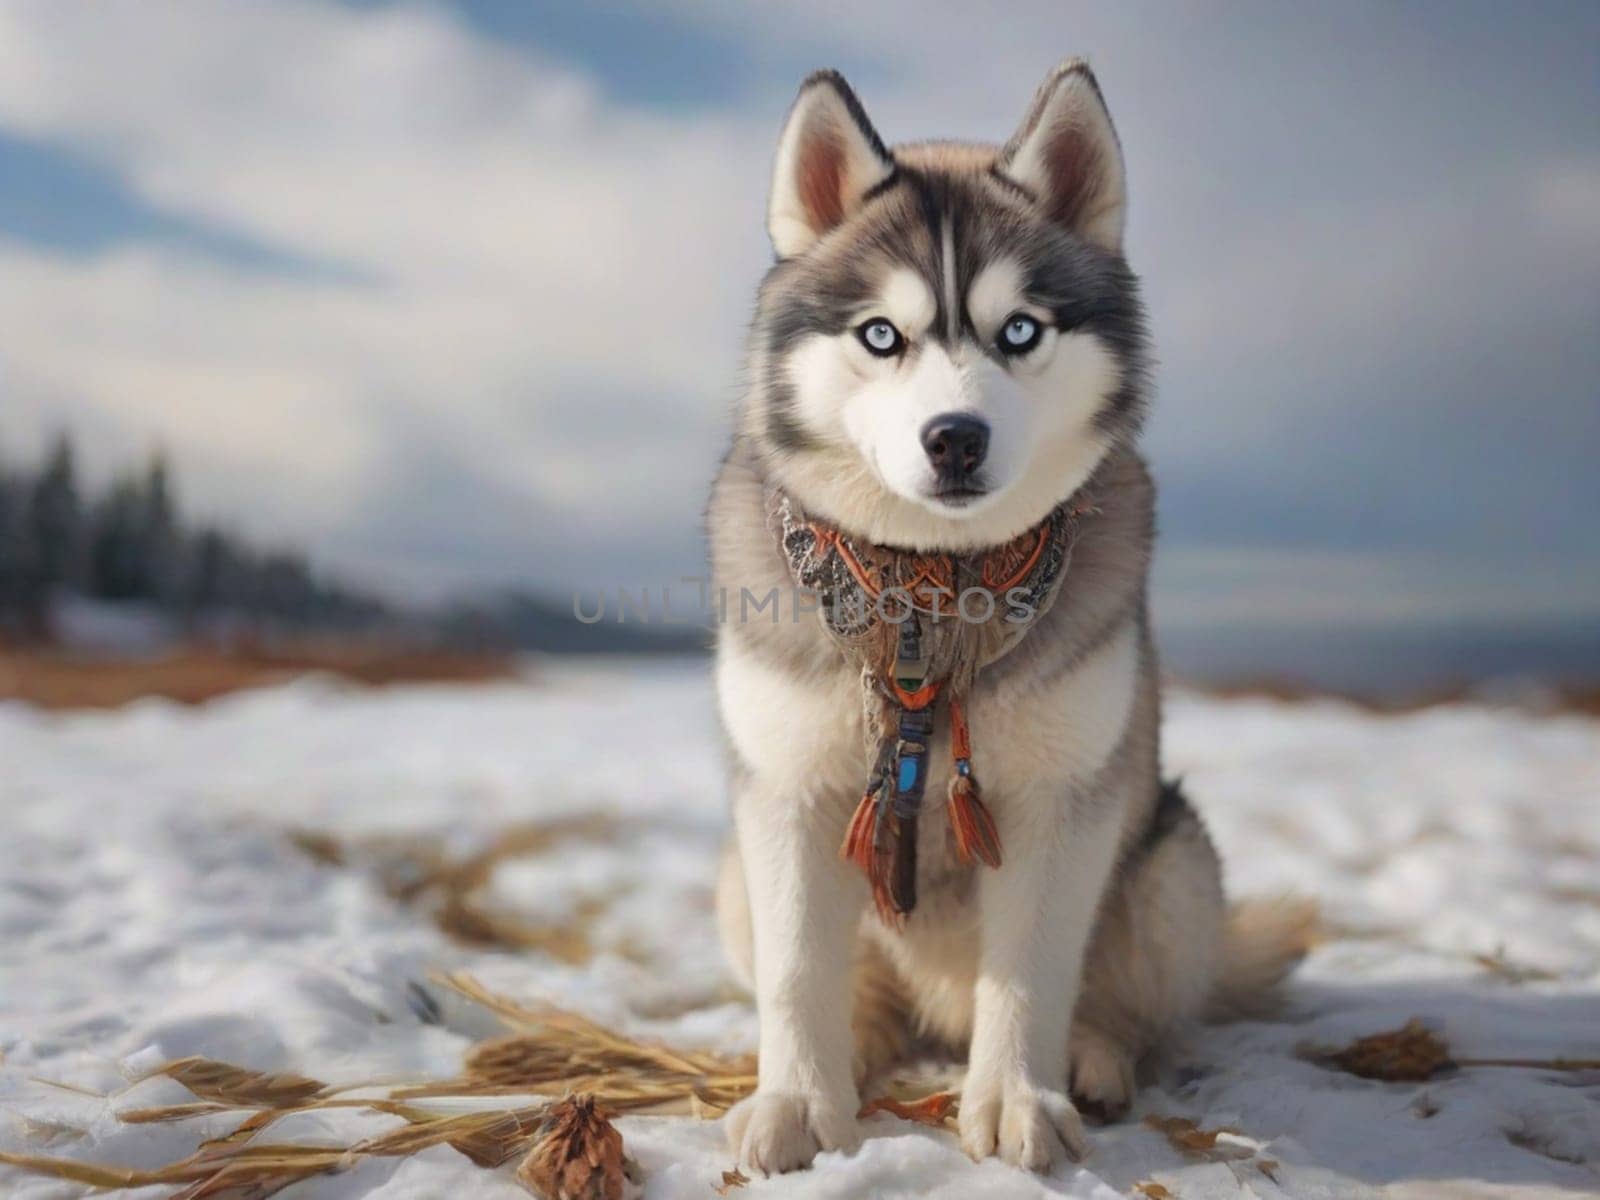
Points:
[(919, 627)]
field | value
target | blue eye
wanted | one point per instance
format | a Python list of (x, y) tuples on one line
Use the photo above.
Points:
[(1019, 334), (880, 337)]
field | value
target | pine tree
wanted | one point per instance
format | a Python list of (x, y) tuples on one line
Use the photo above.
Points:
[(11, 565), (117, 568), (10, 542), (211, 577), (130, 543), (159, 540), (53, 539)]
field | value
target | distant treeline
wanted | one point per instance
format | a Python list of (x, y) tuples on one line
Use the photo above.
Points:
[(129, 542)]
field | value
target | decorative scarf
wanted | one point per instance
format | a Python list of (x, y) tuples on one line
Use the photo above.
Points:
[(920, 627)]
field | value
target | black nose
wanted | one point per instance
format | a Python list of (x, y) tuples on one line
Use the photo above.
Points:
[(956, 443)]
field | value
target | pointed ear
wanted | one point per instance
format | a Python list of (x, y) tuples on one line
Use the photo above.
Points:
[(1066, 153), (828, 159)]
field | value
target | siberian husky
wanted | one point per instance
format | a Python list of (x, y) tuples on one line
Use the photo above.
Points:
[(950, 348)]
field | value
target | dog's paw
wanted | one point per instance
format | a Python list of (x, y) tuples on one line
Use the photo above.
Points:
[(1101, 1075), (775, 1131), (1030, 1127)]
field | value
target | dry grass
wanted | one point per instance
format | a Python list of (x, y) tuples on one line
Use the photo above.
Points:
[(548, 1053), (561, 1074), (55, 679), (238, 1167), (419, 872), (1578, 698), (551, 1051), (235, 1087)]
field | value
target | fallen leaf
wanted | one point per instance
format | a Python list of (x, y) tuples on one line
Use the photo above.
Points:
[(1153, 1190), (730, 1180), (1409, 1054), (1183, 1133), (1188, 1137), (930, 1110)]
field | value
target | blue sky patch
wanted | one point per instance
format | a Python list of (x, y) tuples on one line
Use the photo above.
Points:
[(647, 55), (59, 200)]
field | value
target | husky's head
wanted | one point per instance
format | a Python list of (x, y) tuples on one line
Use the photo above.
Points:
[(951, 340)]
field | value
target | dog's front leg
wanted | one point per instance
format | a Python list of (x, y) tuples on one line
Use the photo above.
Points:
[(805, 904), (1036, 914)]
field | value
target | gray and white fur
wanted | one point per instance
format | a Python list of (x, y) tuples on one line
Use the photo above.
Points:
[(950, 344)]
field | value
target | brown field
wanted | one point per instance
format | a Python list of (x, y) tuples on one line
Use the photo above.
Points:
[(1554, 698), (57, 679)]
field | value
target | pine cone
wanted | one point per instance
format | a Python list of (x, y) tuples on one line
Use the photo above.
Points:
[(578, 1155)]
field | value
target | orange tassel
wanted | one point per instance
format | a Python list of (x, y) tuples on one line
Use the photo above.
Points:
[(976, 836), (861, 847), (861, 833)]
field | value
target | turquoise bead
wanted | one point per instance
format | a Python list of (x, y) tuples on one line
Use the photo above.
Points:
[(908, 774)]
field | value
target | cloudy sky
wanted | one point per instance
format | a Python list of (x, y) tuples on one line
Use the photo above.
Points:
[(452, 294)]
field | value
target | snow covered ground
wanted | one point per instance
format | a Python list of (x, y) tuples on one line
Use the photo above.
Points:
[(152, 906)]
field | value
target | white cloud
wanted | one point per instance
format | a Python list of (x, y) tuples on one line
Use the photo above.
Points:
[(520, 248), (520, 362)]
